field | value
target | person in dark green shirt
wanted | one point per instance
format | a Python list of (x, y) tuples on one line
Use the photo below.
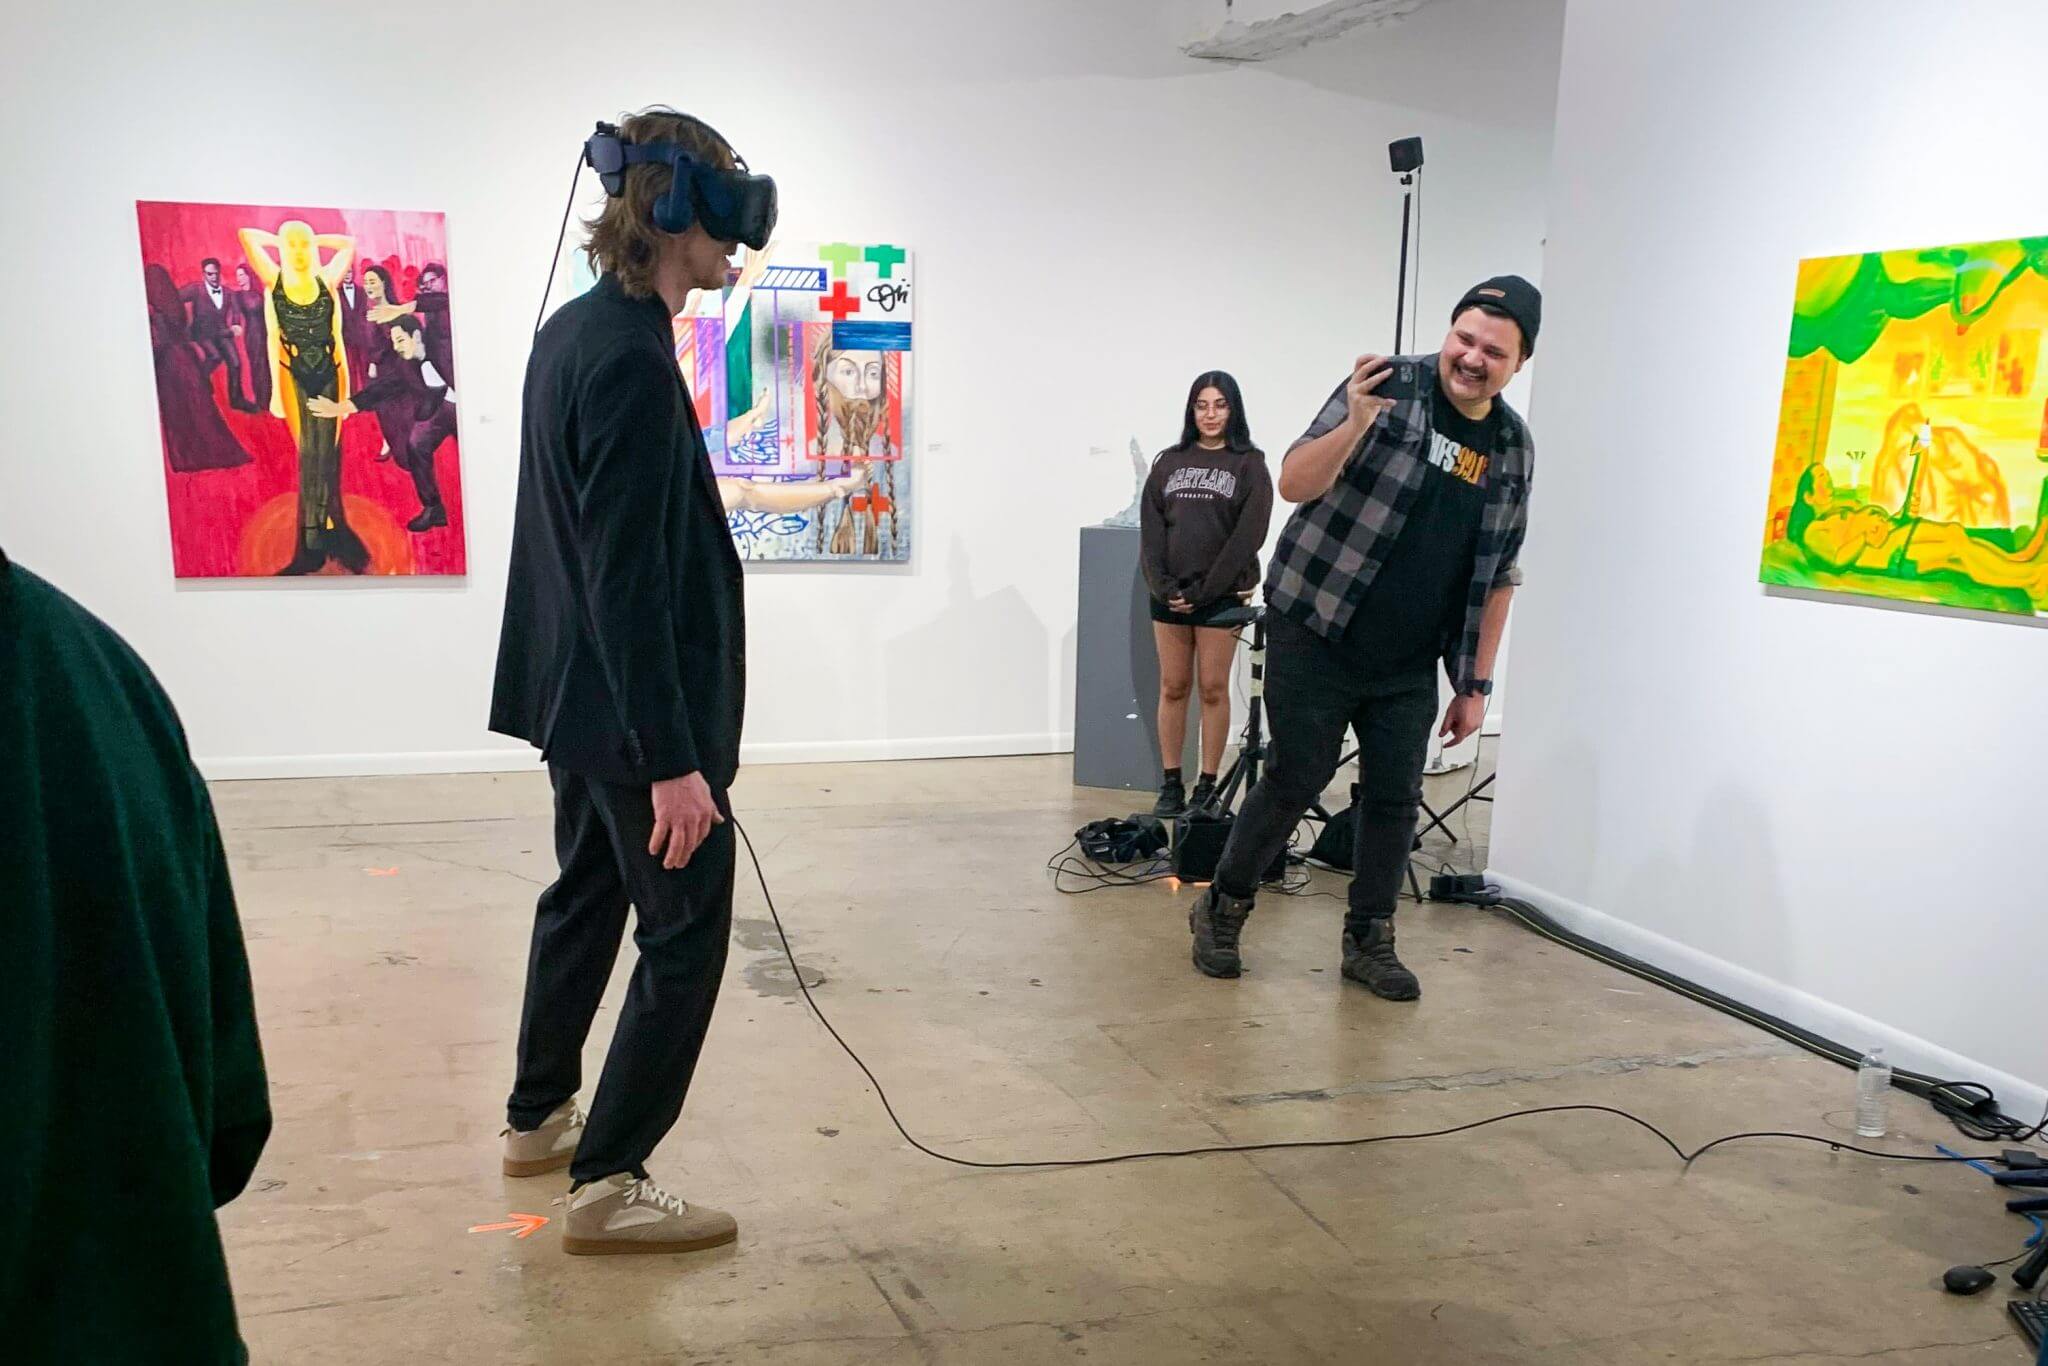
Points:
[(129, 1057)]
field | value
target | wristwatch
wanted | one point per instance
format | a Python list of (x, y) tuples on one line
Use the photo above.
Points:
[(1479, 687)]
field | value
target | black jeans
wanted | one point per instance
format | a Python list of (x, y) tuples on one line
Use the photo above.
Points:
[(1313, 695), (684, 924)]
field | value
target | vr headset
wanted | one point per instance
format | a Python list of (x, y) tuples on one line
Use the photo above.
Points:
[(1122, 841), (733, 206)]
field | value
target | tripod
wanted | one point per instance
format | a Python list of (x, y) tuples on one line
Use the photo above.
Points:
[(1251, 750), (1436, 822)]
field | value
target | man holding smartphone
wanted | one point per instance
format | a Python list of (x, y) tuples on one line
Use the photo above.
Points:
[(1413, 507)]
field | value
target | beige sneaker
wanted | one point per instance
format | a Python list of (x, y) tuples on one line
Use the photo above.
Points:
[(625, 1214), (549, 1148)]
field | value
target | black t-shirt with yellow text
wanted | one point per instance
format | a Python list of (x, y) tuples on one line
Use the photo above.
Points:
[(1418, 597)]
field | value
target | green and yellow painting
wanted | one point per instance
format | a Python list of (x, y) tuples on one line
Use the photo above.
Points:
[(1912, 456)]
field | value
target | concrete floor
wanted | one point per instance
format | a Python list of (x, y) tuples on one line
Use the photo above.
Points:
[(388, 921)]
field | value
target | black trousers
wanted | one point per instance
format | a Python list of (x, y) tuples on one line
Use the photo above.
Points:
[(683, 927), (1313, 695), (415, 449), (224, 348)]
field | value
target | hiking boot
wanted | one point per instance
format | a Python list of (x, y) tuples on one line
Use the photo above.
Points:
[(1217, 920), (1173, 799), (625, 1213), (551, 1147), (1204, 795), (1369, 960)]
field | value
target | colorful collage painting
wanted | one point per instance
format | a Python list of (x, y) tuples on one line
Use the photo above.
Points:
[(1912, 451), (801, 373), (305, 384)]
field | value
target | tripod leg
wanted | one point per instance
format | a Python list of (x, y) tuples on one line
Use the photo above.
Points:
[(1251, 749), (1226, 788)]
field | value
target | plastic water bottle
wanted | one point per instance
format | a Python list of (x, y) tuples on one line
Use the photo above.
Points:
[(1873, 1083)]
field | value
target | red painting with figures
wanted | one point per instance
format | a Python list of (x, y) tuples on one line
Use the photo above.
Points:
[(305, 385)]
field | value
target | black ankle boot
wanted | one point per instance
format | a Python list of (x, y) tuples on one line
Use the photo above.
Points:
[(1369, 960), (429, 518), (1217, 921), (1173, 799)]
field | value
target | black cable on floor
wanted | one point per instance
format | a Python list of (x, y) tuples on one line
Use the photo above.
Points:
[(1970, 1106), (1296, 1144), (1067, 864)]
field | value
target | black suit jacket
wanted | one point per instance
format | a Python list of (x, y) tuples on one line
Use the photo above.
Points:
[(431, 308), (402, 382), (209, 322), (623, 652), (355, 316)]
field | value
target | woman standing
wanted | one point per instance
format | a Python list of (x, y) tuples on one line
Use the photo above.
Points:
[(255, 324), (1207, 504), (307, 361), (393, 422)]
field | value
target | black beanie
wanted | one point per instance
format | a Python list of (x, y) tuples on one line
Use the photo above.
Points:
[(1512, 295)]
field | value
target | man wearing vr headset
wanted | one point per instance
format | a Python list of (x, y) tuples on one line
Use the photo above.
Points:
[(621, 659)]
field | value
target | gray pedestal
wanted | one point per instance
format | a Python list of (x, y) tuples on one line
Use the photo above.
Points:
[(1116, 669)]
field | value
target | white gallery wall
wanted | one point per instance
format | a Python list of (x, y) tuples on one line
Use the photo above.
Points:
[(1096, 218), (1827, 807)]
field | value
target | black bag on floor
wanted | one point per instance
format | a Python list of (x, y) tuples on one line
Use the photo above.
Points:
[(1338, 838)]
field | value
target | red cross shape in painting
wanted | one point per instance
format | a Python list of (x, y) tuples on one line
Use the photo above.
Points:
[(838, 302)]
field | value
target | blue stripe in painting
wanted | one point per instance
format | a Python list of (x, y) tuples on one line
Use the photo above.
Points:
[(871, 336)]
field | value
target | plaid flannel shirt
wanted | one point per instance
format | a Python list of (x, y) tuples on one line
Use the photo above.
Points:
[(1335, 545)]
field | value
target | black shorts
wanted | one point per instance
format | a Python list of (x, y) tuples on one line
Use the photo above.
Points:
[(1204, 615)]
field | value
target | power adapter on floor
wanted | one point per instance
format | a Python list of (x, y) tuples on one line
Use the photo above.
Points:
[(1457, 887)]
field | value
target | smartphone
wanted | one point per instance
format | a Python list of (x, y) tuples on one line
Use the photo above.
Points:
[(1403, 381)]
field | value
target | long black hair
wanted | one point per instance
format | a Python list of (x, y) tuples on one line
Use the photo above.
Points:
[(384, 278), (1237, 433)]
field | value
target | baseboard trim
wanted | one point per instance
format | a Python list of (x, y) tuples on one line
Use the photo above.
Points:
[(520, 759), (237, 767), (2019, 1097), (934, 747)]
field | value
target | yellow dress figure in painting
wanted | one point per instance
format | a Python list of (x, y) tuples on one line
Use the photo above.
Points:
[(307, 361)]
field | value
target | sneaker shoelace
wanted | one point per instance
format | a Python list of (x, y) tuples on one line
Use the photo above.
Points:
[(647, 1193)]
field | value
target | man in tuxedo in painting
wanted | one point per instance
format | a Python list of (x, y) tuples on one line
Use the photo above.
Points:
[(214, 321), (354, 306)]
